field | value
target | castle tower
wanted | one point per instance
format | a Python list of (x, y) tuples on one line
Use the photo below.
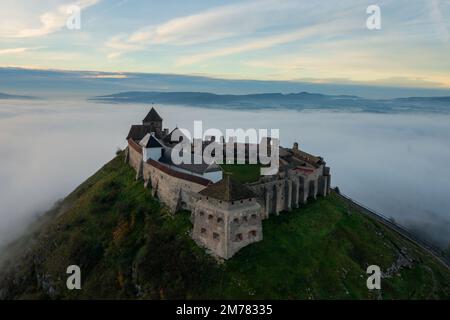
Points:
[(154, 121), (227, 218), (151, 147)]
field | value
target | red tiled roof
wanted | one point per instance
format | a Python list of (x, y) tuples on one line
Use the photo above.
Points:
[(135, 146), (169, 171), (228, 190), (304, 170)]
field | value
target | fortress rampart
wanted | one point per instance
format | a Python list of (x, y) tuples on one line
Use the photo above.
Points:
[(226, 215)]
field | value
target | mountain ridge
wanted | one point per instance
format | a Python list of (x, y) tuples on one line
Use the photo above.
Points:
[(88, 83), (6, 96), (296, 101)]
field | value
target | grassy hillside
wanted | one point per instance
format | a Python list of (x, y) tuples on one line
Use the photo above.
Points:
[(129, 247), (243, 172)]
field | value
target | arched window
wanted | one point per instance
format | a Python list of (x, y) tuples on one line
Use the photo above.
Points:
[(252, 234), (201, 213), (216, 236), (238, 237), (219, 220), (203, 231), (210, 217)]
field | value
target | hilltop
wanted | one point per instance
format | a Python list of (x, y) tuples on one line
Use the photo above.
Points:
[(130, 247)]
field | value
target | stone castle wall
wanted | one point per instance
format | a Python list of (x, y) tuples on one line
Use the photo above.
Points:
[(226, 228), (221, 227), (176, 193), (134, 156), (177, 190), (289, 191)]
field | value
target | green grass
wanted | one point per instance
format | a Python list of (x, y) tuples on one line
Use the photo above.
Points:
[(243, 173), (129, 247)]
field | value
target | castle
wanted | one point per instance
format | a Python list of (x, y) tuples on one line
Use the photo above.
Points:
[(226, 215)]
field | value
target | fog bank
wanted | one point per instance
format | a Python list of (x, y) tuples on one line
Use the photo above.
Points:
[(396, 164)]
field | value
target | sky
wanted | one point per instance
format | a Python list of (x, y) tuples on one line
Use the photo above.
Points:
[(312, 41)]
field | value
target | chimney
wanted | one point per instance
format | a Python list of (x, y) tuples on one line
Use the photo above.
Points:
[(295, 146)]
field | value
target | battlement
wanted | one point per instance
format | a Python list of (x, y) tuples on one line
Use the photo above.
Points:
[(226, 215)]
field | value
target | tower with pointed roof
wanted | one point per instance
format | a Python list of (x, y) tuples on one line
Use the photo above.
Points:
[(153, 120), (227, 217)]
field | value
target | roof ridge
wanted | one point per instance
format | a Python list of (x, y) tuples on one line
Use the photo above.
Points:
[(152, 115), (228, 189)]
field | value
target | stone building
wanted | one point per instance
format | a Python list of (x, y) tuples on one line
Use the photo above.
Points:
[(226, 215)]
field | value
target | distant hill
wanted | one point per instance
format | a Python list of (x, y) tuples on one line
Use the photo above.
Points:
[(65, 83), (129, 247), (445, 100), (18, 97), (296, 101), (260, 101)]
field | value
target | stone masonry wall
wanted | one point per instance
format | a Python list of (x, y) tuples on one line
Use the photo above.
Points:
[(176, 193), (225, 228), (289, 191)]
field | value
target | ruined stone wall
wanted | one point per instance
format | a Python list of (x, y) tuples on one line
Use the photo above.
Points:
[(289, 191), (134, 156)]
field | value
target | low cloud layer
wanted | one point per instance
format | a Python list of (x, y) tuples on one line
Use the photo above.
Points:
[(396, 164)]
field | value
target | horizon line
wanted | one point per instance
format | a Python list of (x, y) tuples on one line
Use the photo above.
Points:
[(223, 77)]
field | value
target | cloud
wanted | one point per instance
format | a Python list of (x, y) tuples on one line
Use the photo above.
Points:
[(390, 168), (324, 29), (270, 22), (106, 76), (406, 82), (409, 82), (438, 18), (13, 51), (119, 44), (216, 23), (356, 60), (52, 21), (20, 50)]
